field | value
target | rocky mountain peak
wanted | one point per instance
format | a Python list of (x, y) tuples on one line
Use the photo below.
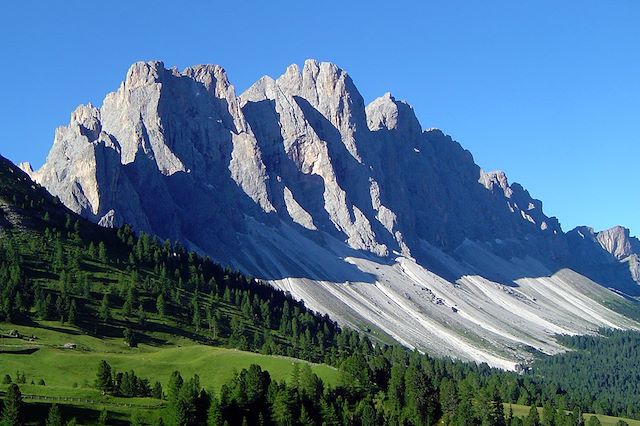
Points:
[(87, 118), (619, 242), (496, 180), (387, 113), (356, 210), (143, 74), (303, 146)]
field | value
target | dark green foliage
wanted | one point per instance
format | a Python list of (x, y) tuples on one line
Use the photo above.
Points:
[(54, 418), (601, 373), (104, 378), (130, 337), (533, 418), (12, 407), (103, 418), (136, 419), (174, 386), (126, 384), (105, 311), (157, 391), (108, 281)]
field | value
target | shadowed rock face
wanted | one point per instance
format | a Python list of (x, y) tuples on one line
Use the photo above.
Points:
[(296, 177), (169, 150), (611, 256)]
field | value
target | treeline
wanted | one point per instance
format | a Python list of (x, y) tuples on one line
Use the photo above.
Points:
[(126, 384), (153, 283), (603, 372), (107, 282), (411, 397)]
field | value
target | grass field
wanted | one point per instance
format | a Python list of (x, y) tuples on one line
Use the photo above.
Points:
[(73, 368), (523, 411), (70, 373)]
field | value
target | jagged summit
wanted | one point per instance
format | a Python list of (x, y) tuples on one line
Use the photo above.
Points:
[(387, 113), (619, 242), (353, 208)]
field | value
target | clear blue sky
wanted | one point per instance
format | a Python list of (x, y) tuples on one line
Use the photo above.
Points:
[(548, 91)]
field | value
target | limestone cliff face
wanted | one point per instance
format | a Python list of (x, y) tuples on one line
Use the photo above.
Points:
[(619, 242), (178, 154), (611, 256), (353, 208), (623, 247)]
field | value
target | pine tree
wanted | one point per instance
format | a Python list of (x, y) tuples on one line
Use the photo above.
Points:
[(593, 421), (91, 250), (305, 418), (142, 315), (105, 312), (181, 413), (130, 338), (284, 407), (72, 314), (548, 414), (295, 375), (160, 305), (175, 384), (533, 418), (104, 378), (578, 418), (54, 418), (103, 418), (421, 397), (448, 397), (127, 307), (214, 414), (157, 390), (12, 412), (368, 416), (136, 419), (102, 252), (196, 314)]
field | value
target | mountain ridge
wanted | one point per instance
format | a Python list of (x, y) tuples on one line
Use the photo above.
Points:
[(298, 182)]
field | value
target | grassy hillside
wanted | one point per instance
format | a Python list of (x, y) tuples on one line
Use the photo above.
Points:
[(69, 374), (152, 307), (73, 368), (523, 411)]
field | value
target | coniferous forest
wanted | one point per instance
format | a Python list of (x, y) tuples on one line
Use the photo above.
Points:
[(57, 267)]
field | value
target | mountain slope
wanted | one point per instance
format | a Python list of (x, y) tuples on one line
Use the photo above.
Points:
[(56, 285), (352, 208)]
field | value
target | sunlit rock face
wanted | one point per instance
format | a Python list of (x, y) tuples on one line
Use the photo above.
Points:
[(353, 208)]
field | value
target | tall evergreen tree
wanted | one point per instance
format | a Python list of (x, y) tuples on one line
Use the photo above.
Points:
[(160, 305), (105, 311), (104, 378), (533, 418), (54, 418), (593, 421), (12, 411)]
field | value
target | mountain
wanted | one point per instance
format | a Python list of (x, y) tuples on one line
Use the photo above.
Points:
[(72, 291), (351, 207), (602, 253)]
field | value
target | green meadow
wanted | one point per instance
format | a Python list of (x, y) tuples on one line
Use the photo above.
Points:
[(523, 411)]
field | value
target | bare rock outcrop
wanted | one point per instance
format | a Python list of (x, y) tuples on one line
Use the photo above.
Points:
[(298, 182), (180, 155)]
